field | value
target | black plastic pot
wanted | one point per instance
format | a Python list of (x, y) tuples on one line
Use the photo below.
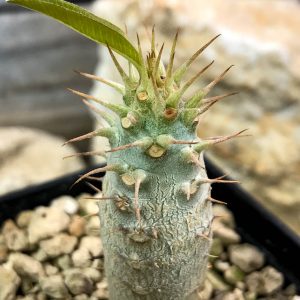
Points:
[(255, 224)]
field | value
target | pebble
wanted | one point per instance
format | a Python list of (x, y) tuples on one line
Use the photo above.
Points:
[(88, 206), (216, 281), (50, 269), (265, 282), (61, 244), (206, 291), (236, 294), (9, 283), (82, 258), (93, 226), (81, 297), (226, 235), (63, 262), (39, 229), (78, 283), (54, 287), (27, 286), (217, 247), (93, 244), (26, 266), (247, 257), (15, 238), (94, 274), (234, 274), (227, 217), (23, 218), (40, 255), (66, 203), (77, 226), (221, 265), (3, 253), (102, 290)]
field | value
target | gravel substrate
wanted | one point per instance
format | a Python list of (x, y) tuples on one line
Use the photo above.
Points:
[(55, 253)]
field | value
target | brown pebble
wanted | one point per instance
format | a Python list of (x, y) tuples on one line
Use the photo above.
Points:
[(77, 226)]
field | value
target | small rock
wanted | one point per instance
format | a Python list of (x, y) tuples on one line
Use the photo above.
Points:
[(28, 297), (234, 274), (77, 226), (217, 247), (23, 218), (66, 203), (3, 253), (54, 287), (226, 215), (87, 206), (39, 228), (247, 257), (9, 283), (50, 269), (102, 290), (26, 266), (217, 281), (93, 274), (206, 292), (14, 237), (93, 244), (63, 262), (40, 255), (81, 297), (41, 296), (250, 295), (98, 264), (221, 265), (59, 245), (78, 283), (265, 282), (82, 258), (226, 235), (93, 226), (27, 286), (236, 294)]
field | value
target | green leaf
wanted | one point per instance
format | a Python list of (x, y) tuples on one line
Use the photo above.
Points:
[(87, 24)]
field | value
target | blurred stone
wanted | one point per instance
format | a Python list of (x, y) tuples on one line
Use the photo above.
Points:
[(26, 266), (46, 222), (206, 292), (260, 37), (93, 226), (23, 152), (217, 281), (226, 235), (54, 287), (66, 203), (265, 282), (37, 63), (59, 245), (246, 256), (233, 275), (78, 283), (93, 244), (23, 218), (15, 238), (81, 258), (77, 226), (9, 283)]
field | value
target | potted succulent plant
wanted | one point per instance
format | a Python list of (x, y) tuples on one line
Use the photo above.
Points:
[(157, 215)]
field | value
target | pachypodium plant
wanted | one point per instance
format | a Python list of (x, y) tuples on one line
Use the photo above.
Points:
[(156, 210)]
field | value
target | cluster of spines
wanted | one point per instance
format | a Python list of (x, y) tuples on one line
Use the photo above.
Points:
[(161, 90)]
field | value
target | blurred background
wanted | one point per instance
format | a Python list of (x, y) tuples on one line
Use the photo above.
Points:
[(260, 37)]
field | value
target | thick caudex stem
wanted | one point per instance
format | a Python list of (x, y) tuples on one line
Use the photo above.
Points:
[(156, 224)]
